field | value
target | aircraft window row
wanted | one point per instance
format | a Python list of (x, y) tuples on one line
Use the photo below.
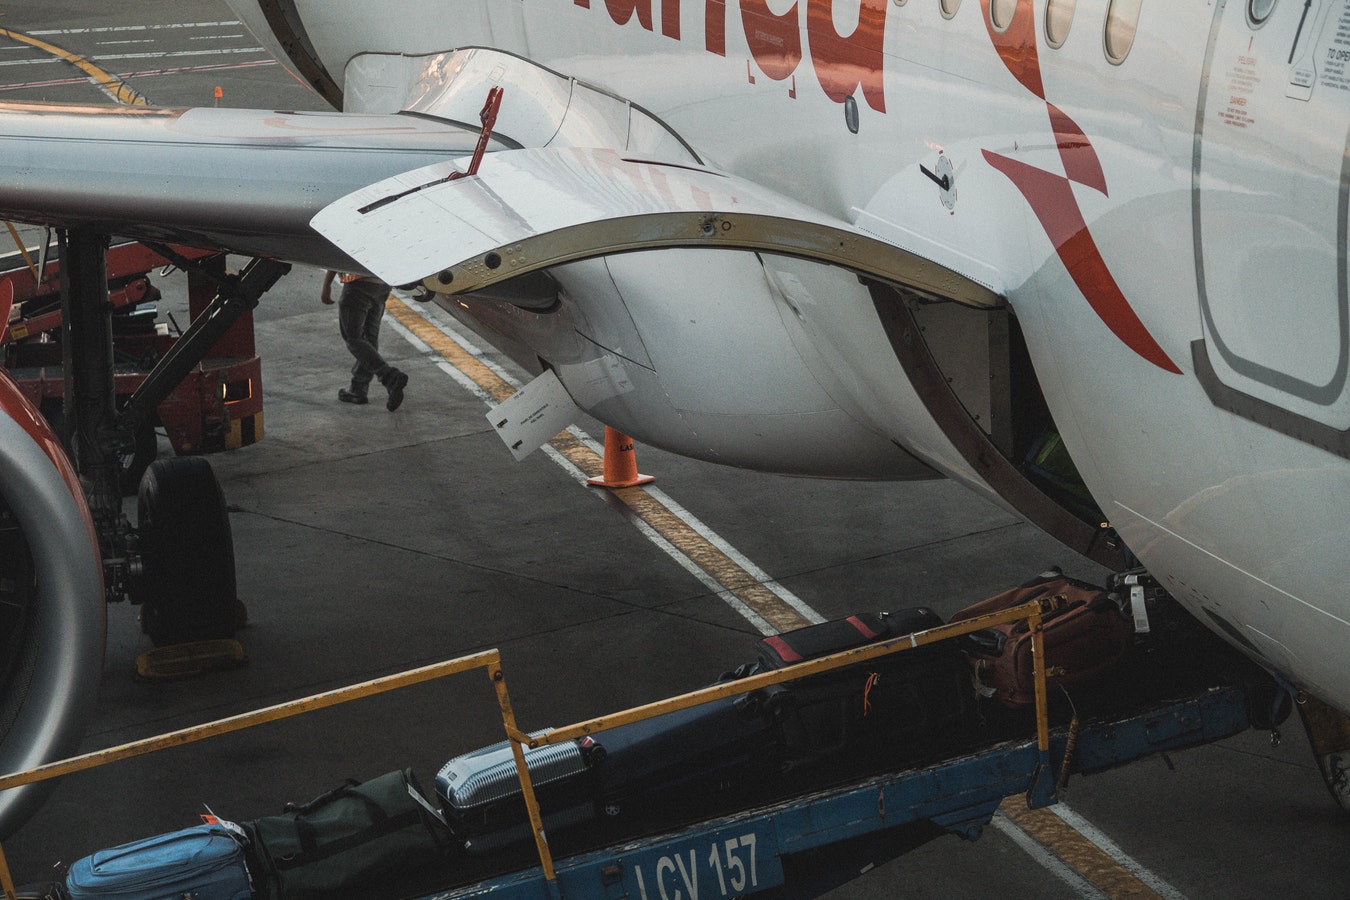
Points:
[(1122, 20)]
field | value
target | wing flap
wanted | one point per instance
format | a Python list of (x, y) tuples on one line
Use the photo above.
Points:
[(533, 209)]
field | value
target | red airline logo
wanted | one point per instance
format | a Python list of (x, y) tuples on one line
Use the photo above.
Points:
[(853, 63), (845, 64), (1051, 196)]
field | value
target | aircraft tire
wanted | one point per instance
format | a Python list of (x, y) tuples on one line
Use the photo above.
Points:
[(187, 585)]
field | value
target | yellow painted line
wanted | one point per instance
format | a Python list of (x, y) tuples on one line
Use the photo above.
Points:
[(115, 87), (1077, 852), (1058, 837), (717, 564)]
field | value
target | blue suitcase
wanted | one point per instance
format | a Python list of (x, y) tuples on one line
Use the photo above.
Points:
[(205, 862)]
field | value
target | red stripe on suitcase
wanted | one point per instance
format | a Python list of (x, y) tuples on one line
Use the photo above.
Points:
[(862, 629), (783, 649)]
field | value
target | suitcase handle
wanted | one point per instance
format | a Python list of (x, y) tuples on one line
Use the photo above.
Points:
[(323, 798), (987, 642)]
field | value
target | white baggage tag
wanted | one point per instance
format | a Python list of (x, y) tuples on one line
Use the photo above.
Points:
[(1137, 607), (531, 416)]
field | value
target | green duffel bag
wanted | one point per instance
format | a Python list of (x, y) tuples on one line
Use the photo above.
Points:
[(353, 836)]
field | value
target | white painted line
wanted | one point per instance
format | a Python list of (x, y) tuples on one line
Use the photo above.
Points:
[(418, 344), (712, 585), (178, 26), (1112, 849), (107, 57), (442, 320), (791, 599), (1047, 860), (147, 73), (177, 54), (447, 323)]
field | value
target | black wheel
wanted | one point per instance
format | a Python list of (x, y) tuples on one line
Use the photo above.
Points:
[(187, 586)]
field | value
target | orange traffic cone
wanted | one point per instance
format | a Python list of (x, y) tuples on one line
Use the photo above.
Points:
[(620, 463)]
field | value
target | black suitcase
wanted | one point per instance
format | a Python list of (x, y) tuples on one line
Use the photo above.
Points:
[(664, 766), (907, 705), (688, 758)]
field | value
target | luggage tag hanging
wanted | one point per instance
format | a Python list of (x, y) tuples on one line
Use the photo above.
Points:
[(1138, 607)]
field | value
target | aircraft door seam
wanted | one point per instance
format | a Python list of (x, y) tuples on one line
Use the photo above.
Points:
[(974, 445), (1232, 399), (285, 23)]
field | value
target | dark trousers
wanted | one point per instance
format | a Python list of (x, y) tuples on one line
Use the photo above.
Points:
[(360, 309)]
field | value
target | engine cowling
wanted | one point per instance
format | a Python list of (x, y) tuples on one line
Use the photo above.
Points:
[(51, 577)]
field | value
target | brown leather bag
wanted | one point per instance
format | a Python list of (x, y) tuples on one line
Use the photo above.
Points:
[(1084, 639)]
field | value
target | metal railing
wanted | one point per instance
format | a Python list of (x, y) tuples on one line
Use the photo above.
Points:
[(1032, 612)]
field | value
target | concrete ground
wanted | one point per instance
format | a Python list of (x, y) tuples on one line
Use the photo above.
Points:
[(371, 542)]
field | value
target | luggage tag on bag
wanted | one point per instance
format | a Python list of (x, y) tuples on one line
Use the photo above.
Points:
[(210, 818), (1138, 608), (422, 801)]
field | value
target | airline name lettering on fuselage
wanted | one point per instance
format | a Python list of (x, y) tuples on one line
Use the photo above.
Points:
[(844, 64)]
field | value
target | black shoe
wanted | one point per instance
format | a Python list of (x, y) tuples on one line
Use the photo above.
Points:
[(395, 385), (347, 396)]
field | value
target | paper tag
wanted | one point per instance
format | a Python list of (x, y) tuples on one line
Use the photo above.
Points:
[(1139, 610), (531, 416), (422, 801)]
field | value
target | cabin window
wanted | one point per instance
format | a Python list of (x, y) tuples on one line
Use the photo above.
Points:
[(1122, 18), (949, 8), (1058, 20), (1258, 11), (1001, 14)]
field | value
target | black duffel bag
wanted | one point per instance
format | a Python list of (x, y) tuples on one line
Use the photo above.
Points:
[(351, 836)]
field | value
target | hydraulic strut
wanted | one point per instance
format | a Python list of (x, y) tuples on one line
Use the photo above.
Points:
[(87, 426), (238, 294)]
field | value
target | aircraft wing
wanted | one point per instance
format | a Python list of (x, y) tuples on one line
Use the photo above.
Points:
[(532, 209), (241, 180)]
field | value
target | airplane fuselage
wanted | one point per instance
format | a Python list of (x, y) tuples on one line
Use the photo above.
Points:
[(1159, 192)]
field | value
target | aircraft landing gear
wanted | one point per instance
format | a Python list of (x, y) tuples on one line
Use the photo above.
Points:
[(178, 562), (1329, 734)]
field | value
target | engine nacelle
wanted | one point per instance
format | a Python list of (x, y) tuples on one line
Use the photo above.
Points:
[(695, 352), (51, 575)]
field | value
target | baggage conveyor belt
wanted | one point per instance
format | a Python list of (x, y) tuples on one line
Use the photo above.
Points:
[(822, 824), (810, 843)]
